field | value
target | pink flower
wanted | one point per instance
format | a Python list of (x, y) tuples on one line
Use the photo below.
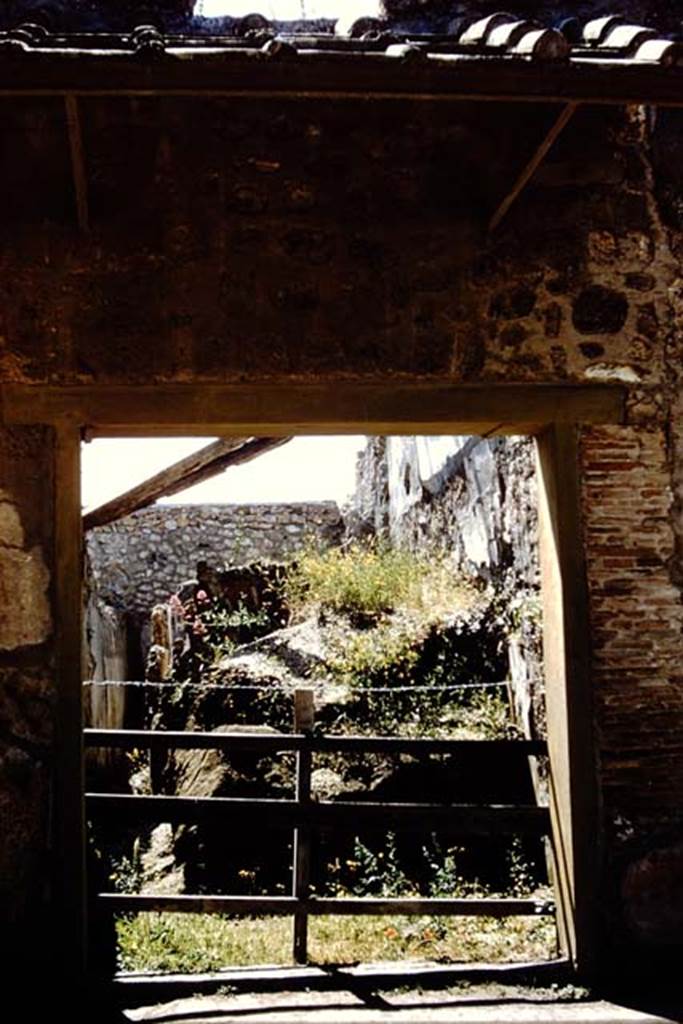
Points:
[(198, 627), (202, 597)]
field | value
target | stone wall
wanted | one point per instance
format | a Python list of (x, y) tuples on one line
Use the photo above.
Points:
[(27, 690), (141, 560), (475, 499), (637, 619), (318, 241)]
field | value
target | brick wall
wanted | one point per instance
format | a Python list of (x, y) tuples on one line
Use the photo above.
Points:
[(637, 619)]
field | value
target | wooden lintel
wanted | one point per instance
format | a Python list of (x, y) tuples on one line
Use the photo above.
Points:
[(337, 407), (194, 469), (73, 123), (534, 163), (342, 77)]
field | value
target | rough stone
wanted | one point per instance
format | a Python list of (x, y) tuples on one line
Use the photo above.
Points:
[(640, 282), (475, 499), (11, 531), (170, 540), (513, 304), (599, 310), (592, 349), (24, 580), (652, 890)]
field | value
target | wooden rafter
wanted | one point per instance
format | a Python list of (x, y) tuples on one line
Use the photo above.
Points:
[(533, 164), (195, 468), (73, 123)]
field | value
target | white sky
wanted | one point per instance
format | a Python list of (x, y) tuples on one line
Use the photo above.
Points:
[(305, 469), (287, 10)]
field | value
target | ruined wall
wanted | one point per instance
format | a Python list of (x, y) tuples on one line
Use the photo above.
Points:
[(472, 497), (27, 688), (347, 241), (360, 229), (476, 500), (141, 560)]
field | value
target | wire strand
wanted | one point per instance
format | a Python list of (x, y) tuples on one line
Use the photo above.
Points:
[(288, 688)]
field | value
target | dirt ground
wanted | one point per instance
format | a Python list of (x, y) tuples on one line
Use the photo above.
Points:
[(361, 1001)]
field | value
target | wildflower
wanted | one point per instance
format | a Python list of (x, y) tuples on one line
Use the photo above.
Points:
[(202, 597), (198, 628), (391, 933)]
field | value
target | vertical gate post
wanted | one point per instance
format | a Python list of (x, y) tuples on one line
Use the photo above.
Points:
[(304, 714), (573, 778)]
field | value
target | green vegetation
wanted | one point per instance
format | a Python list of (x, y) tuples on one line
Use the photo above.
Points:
[(195, 943), (403, 637), (214, 632), (373, 579), (189, 942), (456, 714), (395, 620)]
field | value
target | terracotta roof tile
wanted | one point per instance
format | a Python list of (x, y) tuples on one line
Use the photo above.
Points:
[(437, 40)]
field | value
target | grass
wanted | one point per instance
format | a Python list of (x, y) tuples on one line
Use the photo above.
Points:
[(372, 579), (194, 943), (393, 618)]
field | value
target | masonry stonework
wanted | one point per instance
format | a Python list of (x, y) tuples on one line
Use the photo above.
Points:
[(139, 561), (474, 499), (27, 687), (296, 242)]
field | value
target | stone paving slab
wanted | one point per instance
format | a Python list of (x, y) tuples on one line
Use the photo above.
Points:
[(348, 1008)]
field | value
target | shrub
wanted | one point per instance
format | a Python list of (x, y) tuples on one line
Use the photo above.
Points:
[(372, 580)]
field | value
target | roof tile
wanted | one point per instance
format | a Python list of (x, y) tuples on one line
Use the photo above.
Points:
[(444, 31)]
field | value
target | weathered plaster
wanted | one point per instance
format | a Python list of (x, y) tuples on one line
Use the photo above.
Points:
[(24, 580), (26, 691)]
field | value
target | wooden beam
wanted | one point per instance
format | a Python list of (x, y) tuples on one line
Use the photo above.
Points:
[(536, 160), (68, 801), (161, 739), (195, 468), (73, 122), (304, 720), (390, 407), (573, 760), (461, 819), (344, 76), (337, 906)]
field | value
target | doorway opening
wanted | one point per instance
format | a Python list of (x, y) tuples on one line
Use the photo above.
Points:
[(379, 669)]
